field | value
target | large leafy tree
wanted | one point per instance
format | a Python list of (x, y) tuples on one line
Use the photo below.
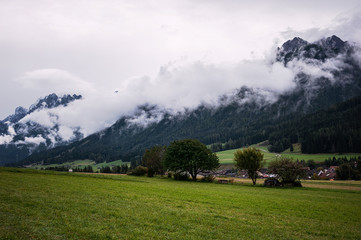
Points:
[(190, 155), (288, 170), (153, 160), (250, 159)]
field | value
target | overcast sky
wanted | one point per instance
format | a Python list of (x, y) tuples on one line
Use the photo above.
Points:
[(94, 47)]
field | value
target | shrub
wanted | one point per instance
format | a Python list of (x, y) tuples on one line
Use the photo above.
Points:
[(272, 182), (349, 171), (139, 171), (208, 178), (181, 176), (288, 170), (297, 184), (315, 177)]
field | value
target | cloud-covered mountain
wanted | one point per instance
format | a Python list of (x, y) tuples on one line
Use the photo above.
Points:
[(302, 78), (29, 130)]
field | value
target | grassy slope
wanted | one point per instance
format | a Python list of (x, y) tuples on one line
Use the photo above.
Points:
[(46, 205), (226, 157)]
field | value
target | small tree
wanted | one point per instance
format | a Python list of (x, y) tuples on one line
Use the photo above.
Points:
[(190, 155), (348, 171), (153, 160), (249, 159), (288, 170)]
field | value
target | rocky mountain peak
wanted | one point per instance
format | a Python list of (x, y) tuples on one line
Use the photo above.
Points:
[(20, 110), (50, 101), (297, 48), (53, 101), (294, 44), (332, 42)]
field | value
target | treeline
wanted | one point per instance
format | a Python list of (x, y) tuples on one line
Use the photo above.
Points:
[(121, 169), (350, 170), (329, 162), (88, 168)]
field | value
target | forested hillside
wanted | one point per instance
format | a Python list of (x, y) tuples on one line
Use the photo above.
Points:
[(335, 130), (306, 113)]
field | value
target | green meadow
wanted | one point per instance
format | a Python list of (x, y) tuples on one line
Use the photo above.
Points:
[(226, 157), (52, 205)]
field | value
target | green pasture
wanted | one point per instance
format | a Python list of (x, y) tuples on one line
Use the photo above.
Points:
[(226, 157), (50, 205), (109, 164)]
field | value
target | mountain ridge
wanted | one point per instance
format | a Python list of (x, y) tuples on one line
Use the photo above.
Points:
[(20, 137), (242, 118)]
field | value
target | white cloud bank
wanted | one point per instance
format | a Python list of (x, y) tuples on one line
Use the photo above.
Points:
[(105, 42), (32, 140), (177, 86)]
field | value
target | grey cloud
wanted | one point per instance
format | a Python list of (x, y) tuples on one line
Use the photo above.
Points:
[(105, 42)]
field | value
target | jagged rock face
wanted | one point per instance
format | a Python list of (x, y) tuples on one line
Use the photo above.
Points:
[(50, 101), (323, 49), (20, 136), (20, 112), (53, 101), (334, 43), (294, 44)]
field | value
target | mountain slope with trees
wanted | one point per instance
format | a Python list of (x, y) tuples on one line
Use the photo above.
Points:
[(247, 117)]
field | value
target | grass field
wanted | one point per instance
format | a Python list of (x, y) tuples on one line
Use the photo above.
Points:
[(226, 157), (48, 205)]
